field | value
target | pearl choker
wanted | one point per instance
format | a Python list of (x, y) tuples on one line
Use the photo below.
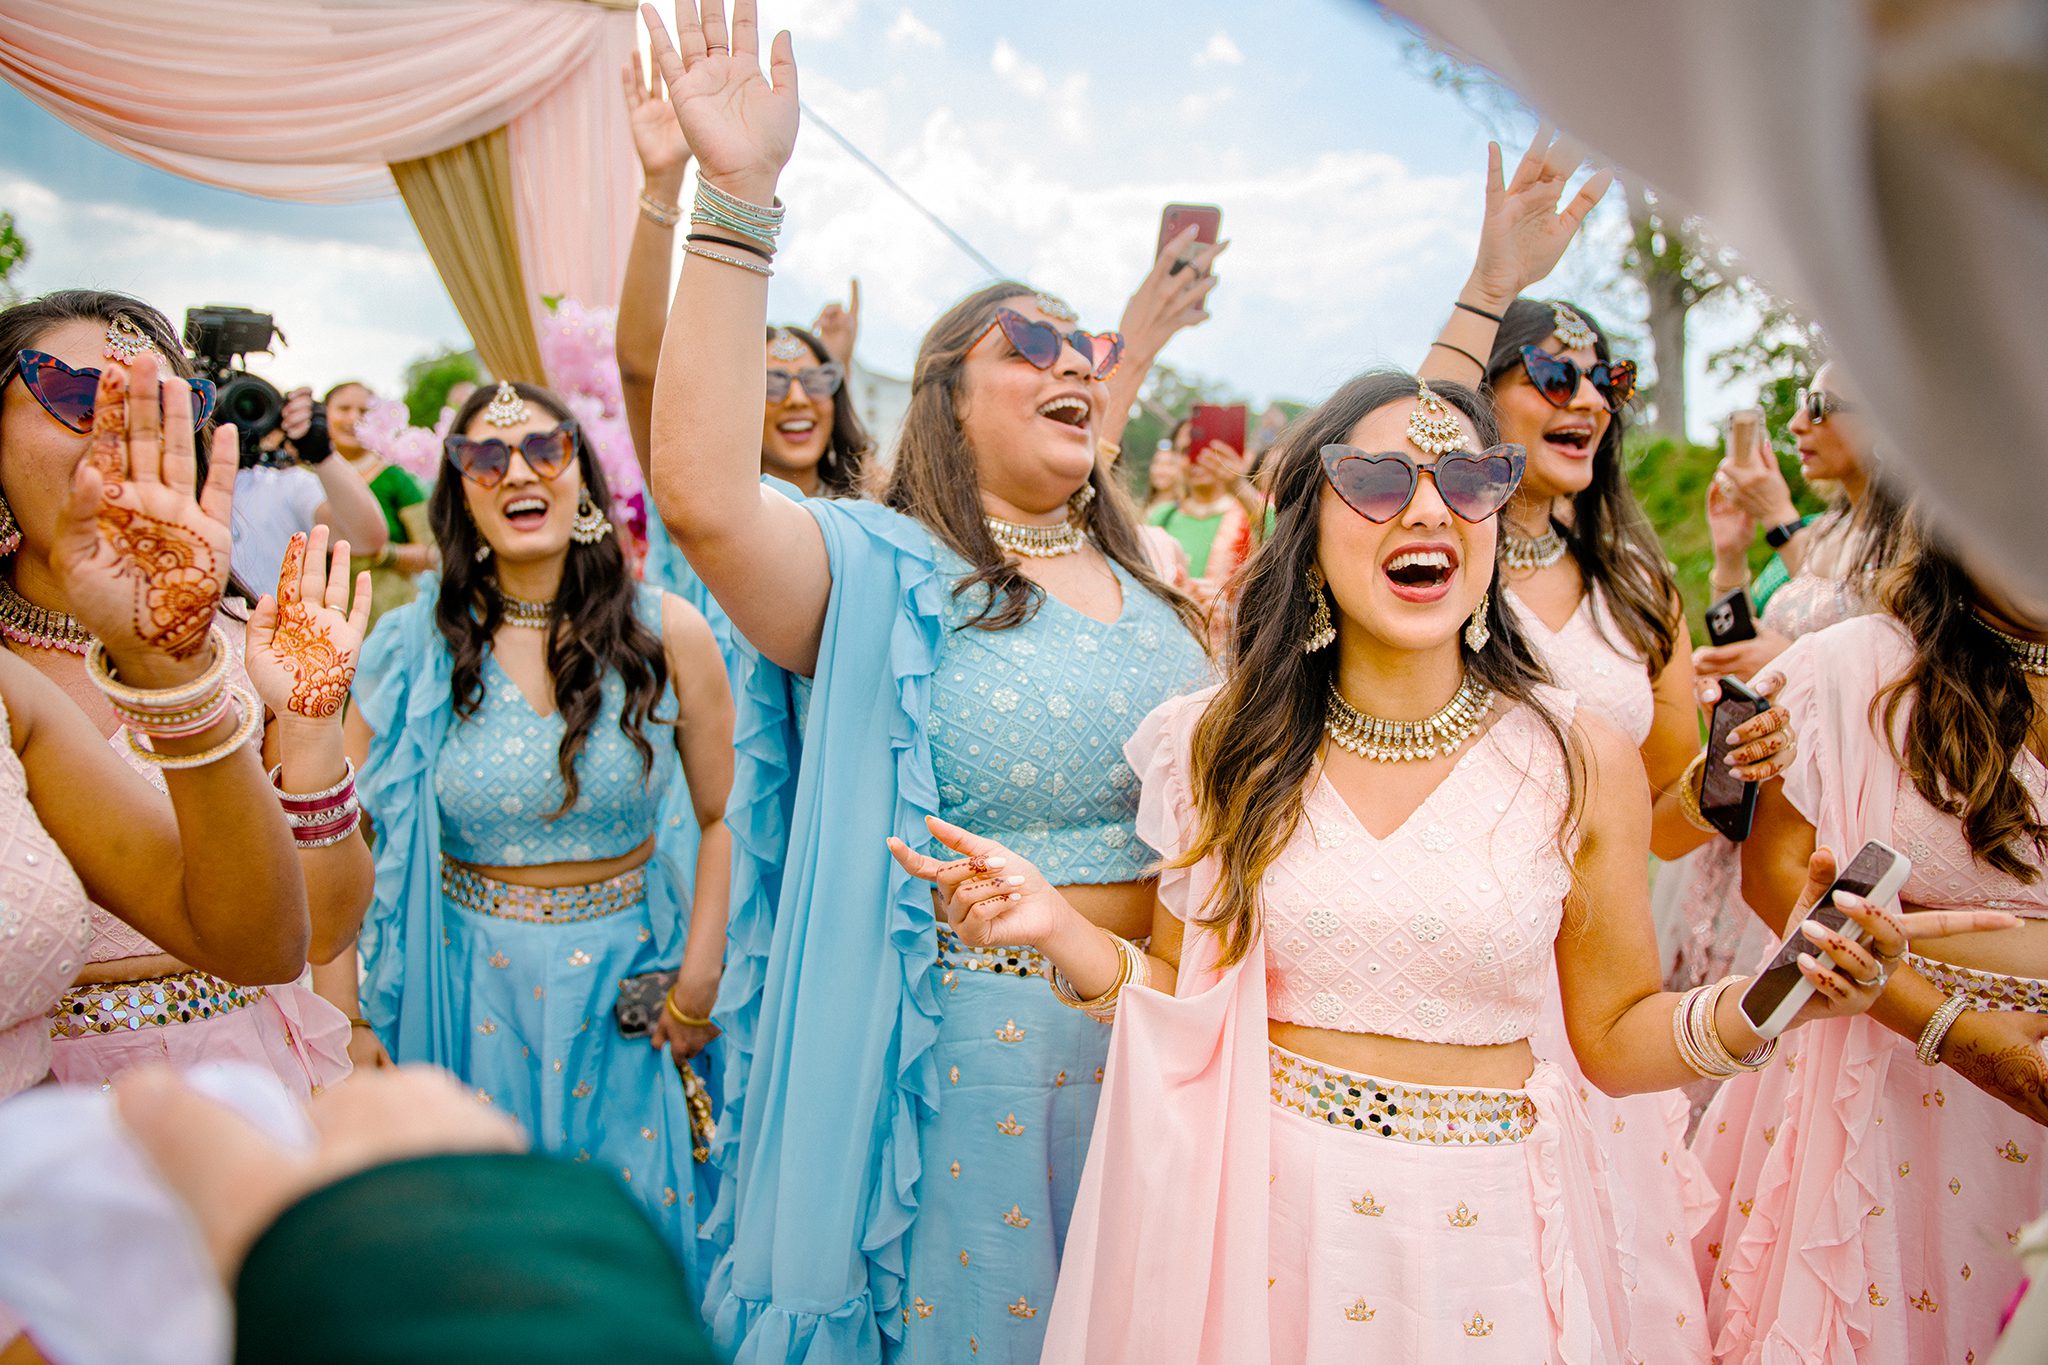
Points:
[(525, 612), (2029, 656), (1524, 554), (1407, 741), (1036, 542), (25, 623)]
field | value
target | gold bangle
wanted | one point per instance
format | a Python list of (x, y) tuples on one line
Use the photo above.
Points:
[(252, 721), (154, 700), (360, 1023), (1689, 784), (675, 1012)]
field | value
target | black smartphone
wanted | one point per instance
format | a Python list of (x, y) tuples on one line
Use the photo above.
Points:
[(1876, 873), (1729, 618), (1728, 802), (640, 1002)]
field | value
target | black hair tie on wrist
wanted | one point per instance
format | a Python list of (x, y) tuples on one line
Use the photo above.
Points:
[(729, 241), (1463, 352), (1490, 317)]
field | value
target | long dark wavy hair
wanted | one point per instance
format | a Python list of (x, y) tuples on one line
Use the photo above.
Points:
[(843, 467), (1614, 544), (1258, 742), (935, 479), (23, 327), (593, 629), (1968, 712)]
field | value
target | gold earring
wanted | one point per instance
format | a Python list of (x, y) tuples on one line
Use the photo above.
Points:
[(591, 524), (1321, 629), (1476, 633), (10, 531)]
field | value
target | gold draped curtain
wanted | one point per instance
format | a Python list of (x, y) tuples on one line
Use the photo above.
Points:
[(461, 201)]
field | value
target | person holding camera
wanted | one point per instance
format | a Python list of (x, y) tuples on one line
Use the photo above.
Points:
[(410, 550), (290, 486)]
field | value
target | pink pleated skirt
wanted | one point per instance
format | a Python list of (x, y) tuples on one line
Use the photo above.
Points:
[(1434, 1223), (1871, 1204), (289, 1030)]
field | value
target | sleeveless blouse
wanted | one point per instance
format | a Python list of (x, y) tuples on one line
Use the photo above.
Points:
[(1442, 931), (1811, 602), (1028, 724), (498, 775), (1592, 658), (44, 929)]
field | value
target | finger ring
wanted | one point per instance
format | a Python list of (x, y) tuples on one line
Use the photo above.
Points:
[(1869, 985), (710, 48)]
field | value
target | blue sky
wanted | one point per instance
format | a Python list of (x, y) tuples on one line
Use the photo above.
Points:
[(1048, 135)]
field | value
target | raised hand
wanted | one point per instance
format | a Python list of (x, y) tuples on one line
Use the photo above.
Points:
[(1173, 296), (1524, 232), (303, 643), (839, 326), (989, 895), (663, 149), (741, 126), (142, 562)]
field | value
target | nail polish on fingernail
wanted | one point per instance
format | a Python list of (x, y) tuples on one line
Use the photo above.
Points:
[(1013, 881), (1809, 960), (994, 863)]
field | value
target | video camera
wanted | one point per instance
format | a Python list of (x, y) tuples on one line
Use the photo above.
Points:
[(219, 336)]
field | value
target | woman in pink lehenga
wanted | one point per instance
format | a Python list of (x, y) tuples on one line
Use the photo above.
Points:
[(1382, 835), (1873, 1200)]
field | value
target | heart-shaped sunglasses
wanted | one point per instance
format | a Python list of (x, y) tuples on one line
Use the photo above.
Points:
[(1379, 487), (1556, 377), (485, 463), (1041, 342), (68, 395), (817, 381)]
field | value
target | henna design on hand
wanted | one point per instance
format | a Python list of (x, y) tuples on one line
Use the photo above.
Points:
[(109, 449), (2017, 1074), (179, 572), (320, 670)]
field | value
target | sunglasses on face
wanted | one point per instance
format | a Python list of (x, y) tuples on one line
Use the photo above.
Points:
[(485, 463), (1819, 405), (1041, 342), (1556, 377), (68, 395), (818, 381), (1380, 487)]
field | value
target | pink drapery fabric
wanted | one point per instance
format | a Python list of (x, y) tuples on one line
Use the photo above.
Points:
[(309, 100)]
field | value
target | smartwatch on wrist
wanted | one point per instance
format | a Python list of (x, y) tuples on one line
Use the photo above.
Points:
[(1778, 535)]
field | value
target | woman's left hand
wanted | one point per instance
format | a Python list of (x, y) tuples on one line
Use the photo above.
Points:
[(1847, 976), (838, 325), (989, 895), (143, 562), (1173, 296), (1763, 746), (303, 643), (684, 1041)]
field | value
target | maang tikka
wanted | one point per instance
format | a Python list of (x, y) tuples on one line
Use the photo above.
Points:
[(1570, 329), (1432, 425), (507, 408)]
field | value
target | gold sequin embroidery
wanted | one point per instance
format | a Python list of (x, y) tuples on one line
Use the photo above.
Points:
[(1713, 1251), (1478, 1327), (668, 1197), (954, 1075), (1905, 1169), (1369, 1206), (1878, 1300), (1009, 1127), (1876, 1211), (1925, 1303), (499, 960), (1462, 1216), (1966, 1270), (1358, 1311), (579, 958), (647, 1133), (1059, 1080), (483, 1096), (2011, 1152), (1746, 1205), (924, 1310), (1955, 1186), (1009, 1032), (582, 1090), (1770, 1136), (963, 1258), (956, 1170), (487, 1027), (1620, 1124), (1022, 1309), (1016, 1217)]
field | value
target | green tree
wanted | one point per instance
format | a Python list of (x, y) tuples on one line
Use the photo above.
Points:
[(13, 255), (429, 378), (1169, 395)]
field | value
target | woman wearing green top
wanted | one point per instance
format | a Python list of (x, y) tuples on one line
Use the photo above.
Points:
[(1216, 505), (410, 550)]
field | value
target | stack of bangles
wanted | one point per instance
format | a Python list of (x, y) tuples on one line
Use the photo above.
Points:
[(1131, 966), (320, 818), (681, 1015), (1698, 1036), (734, 223), (1938, 1024), (1690, 784), (181, 712)]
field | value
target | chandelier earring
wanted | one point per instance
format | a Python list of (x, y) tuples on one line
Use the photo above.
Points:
[(10, 530), (591, 524), (1078, 505), (1476, 631), (1322, 631)]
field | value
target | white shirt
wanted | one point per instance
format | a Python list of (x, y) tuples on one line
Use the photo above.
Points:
[(271, 506)]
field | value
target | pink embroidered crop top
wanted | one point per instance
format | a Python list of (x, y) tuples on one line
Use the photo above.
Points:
[(43, 929), (1593, 658), (1946, 875), (1440, 932)]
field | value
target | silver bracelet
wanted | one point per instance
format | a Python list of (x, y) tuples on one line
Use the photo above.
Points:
[(1938, 1024)]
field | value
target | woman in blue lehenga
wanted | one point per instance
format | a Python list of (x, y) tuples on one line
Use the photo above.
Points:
[(546, 751), (907, 1116)]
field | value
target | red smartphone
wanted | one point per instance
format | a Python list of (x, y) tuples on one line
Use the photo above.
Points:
[(1206, 219), (1211, 422)]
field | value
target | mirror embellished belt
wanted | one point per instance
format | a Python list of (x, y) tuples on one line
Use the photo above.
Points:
[(1014, 960), (1984, 990), (471, 890), (1439, 1116), (156, 1002)]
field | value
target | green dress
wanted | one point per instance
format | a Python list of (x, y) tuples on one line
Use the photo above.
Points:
[(404, 500)]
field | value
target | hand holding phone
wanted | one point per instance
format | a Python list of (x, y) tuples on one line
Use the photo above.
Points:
[(1216, 424), (1206, 219), (1729, 618), (1775, 996), (1745, 432), (1727, 801)]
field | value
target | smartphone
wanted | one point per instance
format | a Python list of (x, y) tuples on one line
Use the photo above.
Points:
[(1745, 432), (1728, 802), (1876, 873), (1729, 618), (1206, 219), (640, 1002), (1211, 422)]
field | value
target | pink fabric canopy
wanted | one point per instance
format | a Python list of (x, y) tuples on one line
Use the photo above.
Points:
[(311, 99)]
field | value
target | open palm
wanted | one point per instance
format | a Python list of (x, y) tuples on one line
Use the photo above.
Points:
[(303, 643), (657, 139), (1524, 233), (741, 126), (143, 561)]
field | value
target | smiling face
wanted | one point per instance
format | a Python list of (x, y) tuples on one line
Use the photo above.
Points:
[(1838, 448), (525, 518), (1032, 431), (796, 432), (1409, 583), (1561, 441), (345, 406)]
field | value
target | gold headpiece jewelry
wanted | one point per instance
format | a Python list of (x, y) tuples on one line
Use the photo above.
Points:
[(1571, 329), (507, 408), (1055, 308), (125, 341), (787, 345), (1433, 426)]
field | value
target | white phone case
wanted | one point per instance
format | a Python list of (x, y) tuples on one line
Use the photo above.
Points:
[(1883, 889)]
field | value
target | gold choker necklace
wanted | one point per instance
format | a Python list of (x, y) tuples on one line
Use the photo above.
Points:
[(1523, 554), (2029, 656), (1036, 542), (525, 612), (1407, 741), (25, 623)]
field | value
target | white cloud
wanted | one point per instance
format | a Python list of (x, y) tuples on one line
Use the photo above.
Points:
[(1198, 104), (1068, 99), (1221, 51), (1017, 73), (808, 21), (911, 31)]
